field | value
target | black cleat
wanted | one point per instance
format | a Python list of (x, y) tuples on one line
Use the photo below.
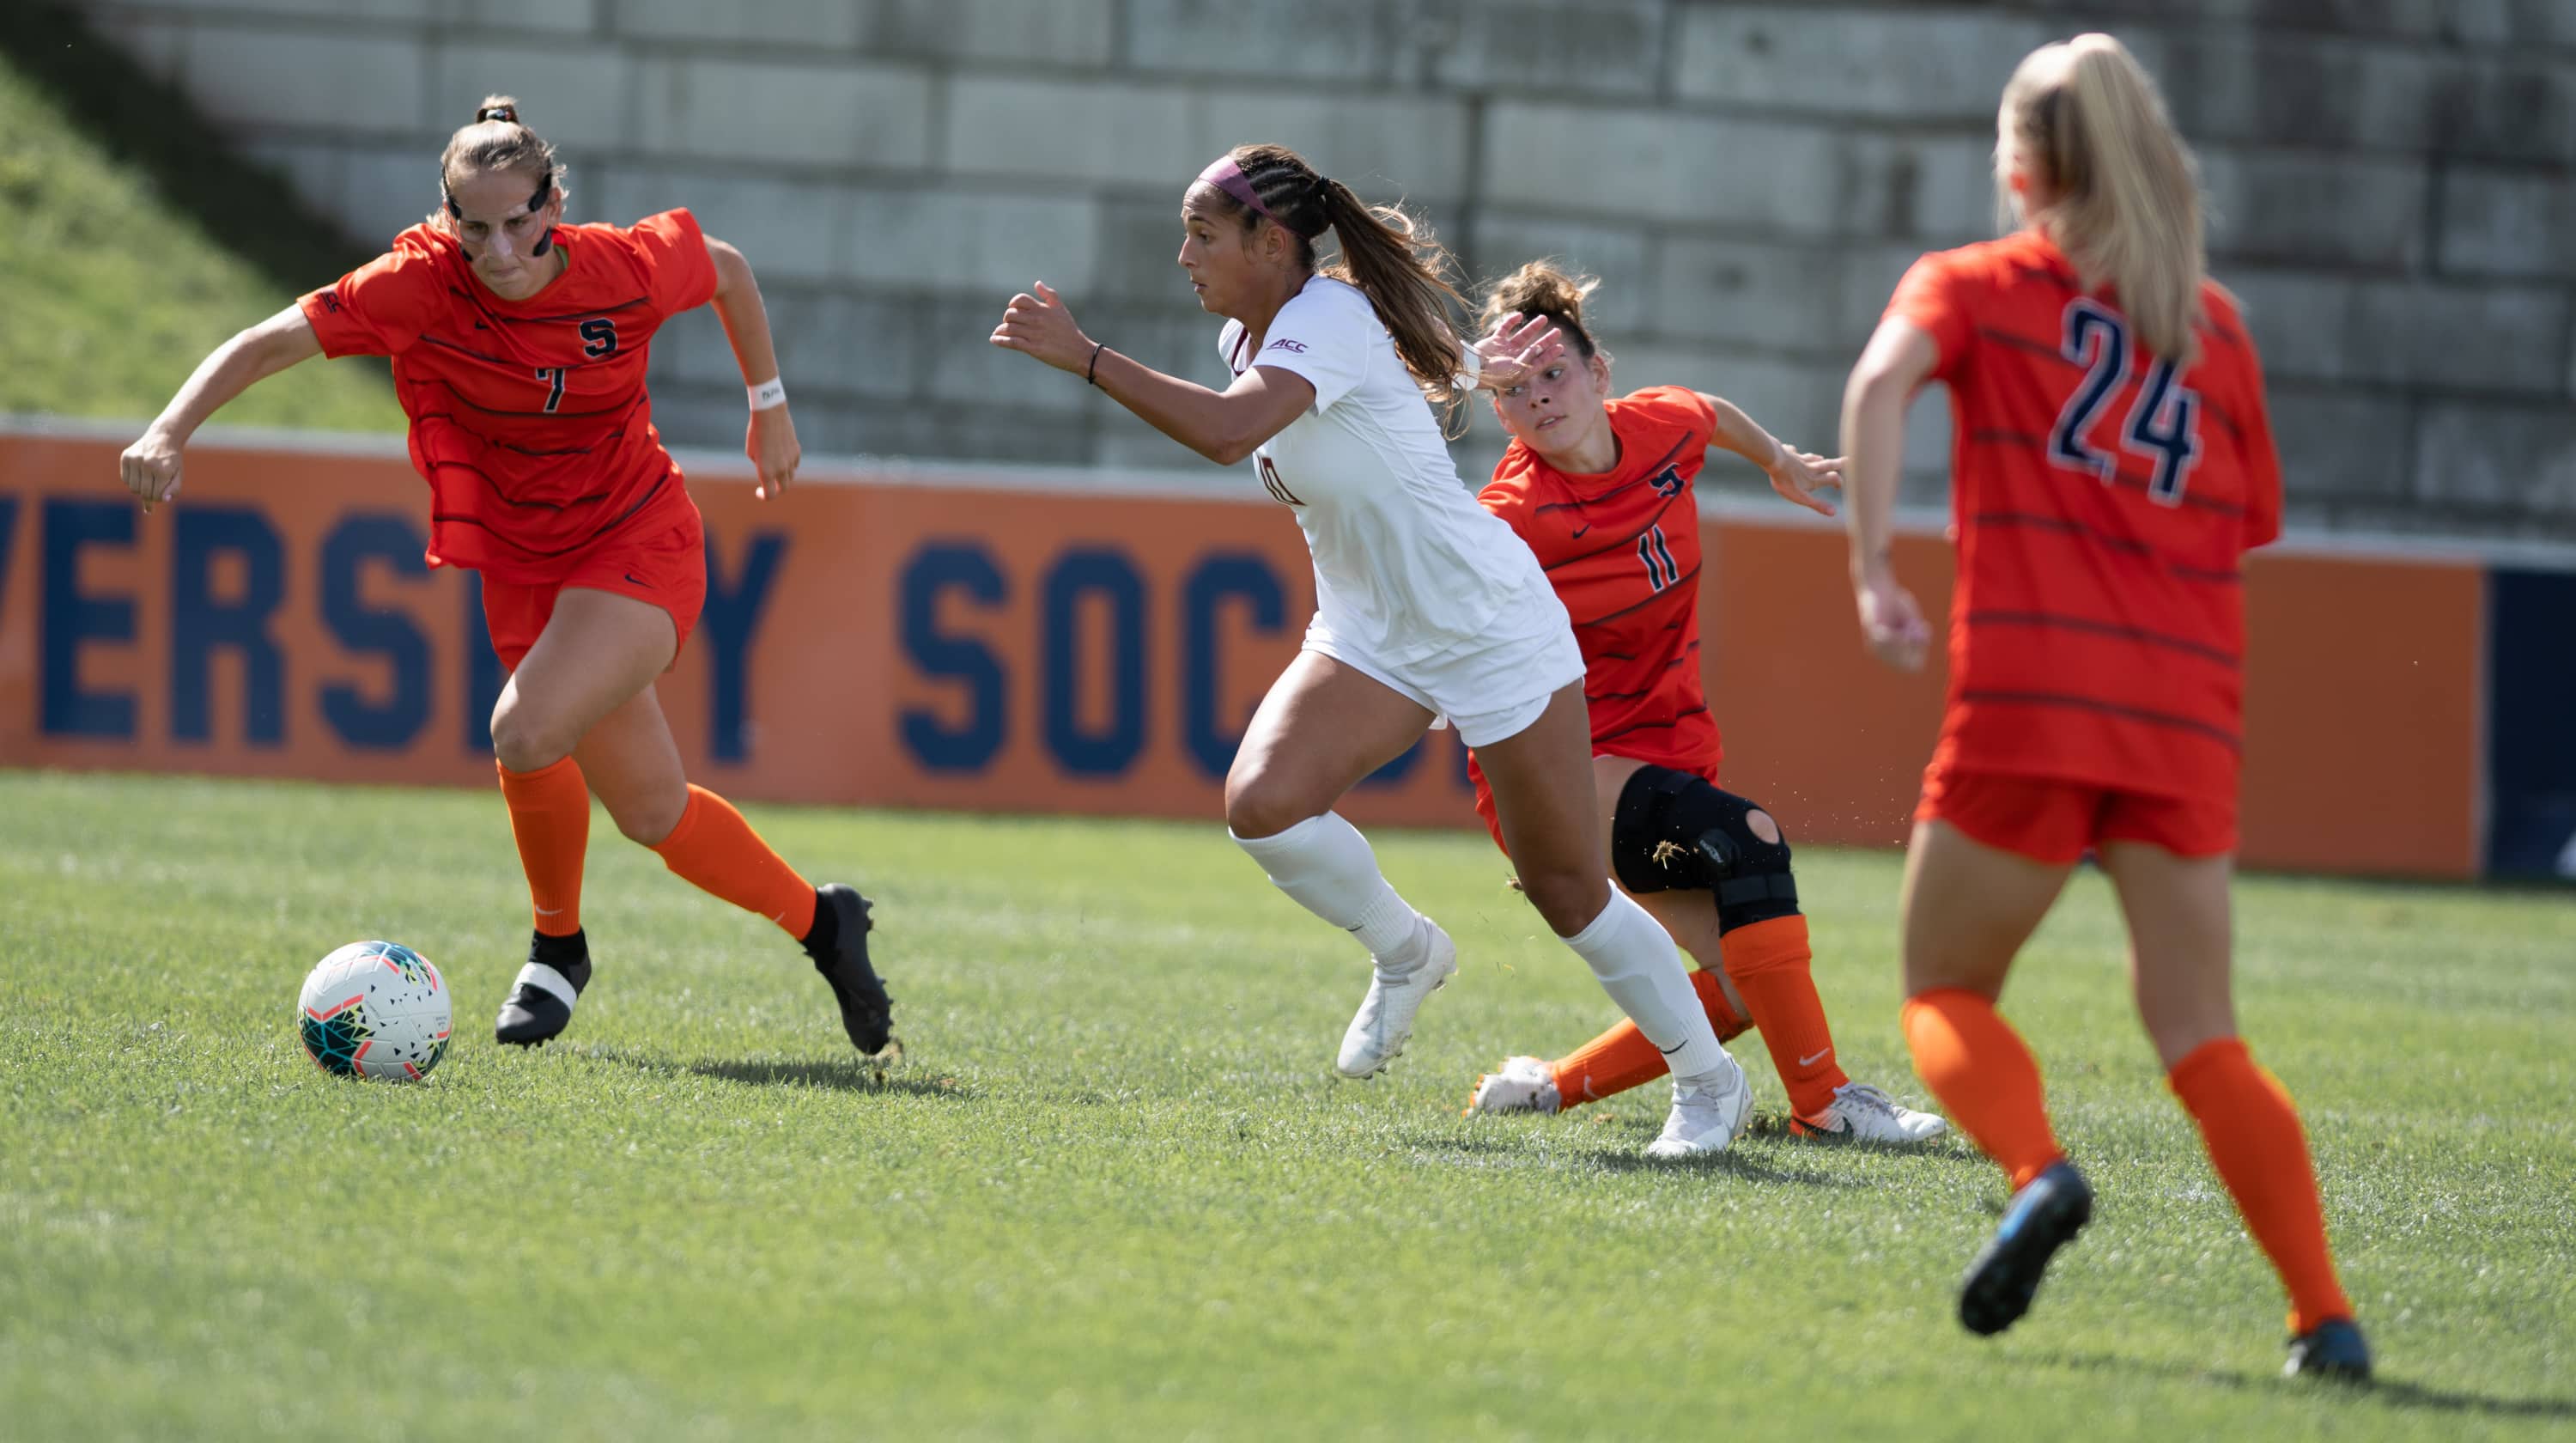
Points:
[(540, 1007), (2044, 1216), (839, 946), (2333, 1349)]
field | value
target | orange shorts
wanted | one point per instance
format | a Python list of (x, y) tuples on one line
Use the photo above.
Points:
[(2056, 822), (667, 567)]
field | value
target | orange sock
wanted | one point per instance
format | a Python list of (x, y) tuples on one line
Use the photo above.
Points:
[(1985, 1077), (2252, 1131), (550, 817), (716, 849), (1622, 1058), (1768, 962)]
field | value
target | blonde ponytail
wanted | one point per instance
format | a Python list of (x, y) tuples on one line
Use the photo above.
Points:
[(2087, 119)]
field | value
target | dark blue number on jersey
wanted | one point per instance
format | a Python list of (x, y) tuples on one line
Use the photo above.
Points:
[(1651, 549), (2163, 426)]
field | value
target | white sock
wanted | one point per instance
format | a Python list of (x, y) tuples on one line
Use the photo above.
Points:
[(1326, 867), (1637, 964)]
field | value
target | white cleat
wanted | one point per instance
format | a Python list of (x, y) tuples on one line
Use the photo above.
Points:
[(1385, 1021), (1706, 1117), (1860, 1113), (1525, 1084)]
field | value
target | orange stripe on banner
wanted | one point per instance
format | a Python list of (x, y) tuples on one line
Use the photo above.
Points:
[(2362, 702)]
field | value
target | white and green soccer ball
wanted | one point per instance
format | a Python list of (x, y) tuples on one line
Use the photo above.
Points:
[(375, 1009)]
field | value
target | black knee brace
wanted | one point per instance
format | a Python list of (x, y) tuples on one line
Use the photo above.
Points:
[(1674, 831)]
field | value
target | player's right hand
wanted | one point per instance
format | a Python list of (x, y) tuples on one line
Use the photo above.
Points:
[(1517, 348), (1891, 624), (151, 469)]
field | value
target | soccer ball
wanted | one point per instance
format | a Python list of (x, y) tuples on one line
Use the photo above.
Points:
[(375, 1009)]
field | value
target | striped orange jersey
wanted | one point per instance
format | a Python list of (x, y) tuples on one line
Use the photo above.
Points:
[(2104, 504), (528, 418), (1622, 550)]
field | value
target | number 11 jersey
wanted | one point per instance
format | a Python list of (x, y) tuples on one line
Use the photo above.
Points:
[(1622, 550)]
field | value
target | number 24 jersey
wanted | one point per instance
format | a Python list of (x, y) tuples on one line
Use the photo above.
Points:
[(2104, 500)]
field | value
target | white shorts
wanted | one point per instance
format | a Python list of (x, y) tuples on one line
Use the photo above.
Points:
[(1490, 688)]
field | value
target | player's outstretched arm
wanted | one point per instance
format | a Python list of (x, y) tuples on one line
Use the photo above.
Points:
[(770, 441), (1224, 426), (1899, 358), (1797, 475), (151, 465)]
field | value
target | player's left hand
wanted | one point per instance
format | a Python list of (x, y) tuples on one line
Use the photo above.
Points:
[(1517, 347), (1798, 475), (770, 442), (1041, 325)]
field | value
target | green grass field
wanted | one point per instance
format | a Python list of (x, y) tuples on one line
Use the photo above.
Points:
[(116, 284), (1112, 1191)]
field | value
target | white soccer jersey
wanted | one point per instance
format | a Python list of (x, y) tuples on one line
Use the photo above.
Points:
[(1407, 564)]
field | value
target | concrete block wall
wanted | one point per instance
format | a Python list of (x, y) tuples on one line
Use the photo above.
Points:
[(2389, 178)]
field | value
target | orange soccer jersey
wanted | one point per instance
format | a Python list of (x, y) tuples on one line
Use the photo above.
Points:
[(529, 419), (1622, 550), (2104, 505)]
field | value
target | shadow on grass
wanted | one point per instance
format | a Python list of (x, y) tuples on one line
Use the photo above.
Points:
[(2392, 1392), (1738, 1165), (856, 1074)]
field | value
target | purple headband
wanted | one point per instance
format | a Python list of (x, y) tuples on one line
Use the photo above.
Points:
[(1227, 176)]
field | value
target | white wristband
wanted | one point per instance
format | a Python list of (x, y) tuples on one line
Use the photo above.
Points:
[(772, 392)]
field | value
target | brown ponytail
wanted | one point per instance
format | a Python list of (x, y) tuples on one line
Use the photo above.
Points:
[(1540, 289), (1390, 255)]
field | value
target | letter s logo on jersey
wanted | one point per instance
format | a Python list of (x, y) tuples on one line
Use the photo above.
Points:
[(1668, 483), (1285, 344)]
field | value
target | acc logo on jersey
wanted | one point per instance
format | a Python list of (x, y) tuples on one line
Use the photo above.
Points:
[(1668, 482), (1285, 344)]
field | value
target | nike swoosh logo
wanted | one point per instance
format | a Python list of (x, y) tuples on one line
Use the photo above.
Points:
[(1676, 1047), (1577, 535), (1810, 1059), (548, 911), (640, 581)]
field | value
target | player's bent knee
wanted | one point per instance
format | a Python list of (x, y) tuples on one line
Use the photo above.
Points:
[(1567, 901), (523, 741), (1673, 831), (1261, 806)]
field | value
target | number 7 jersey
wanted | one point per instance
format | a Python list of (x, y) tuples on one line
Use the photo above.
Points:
[(529, 419), (2104, 500)]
